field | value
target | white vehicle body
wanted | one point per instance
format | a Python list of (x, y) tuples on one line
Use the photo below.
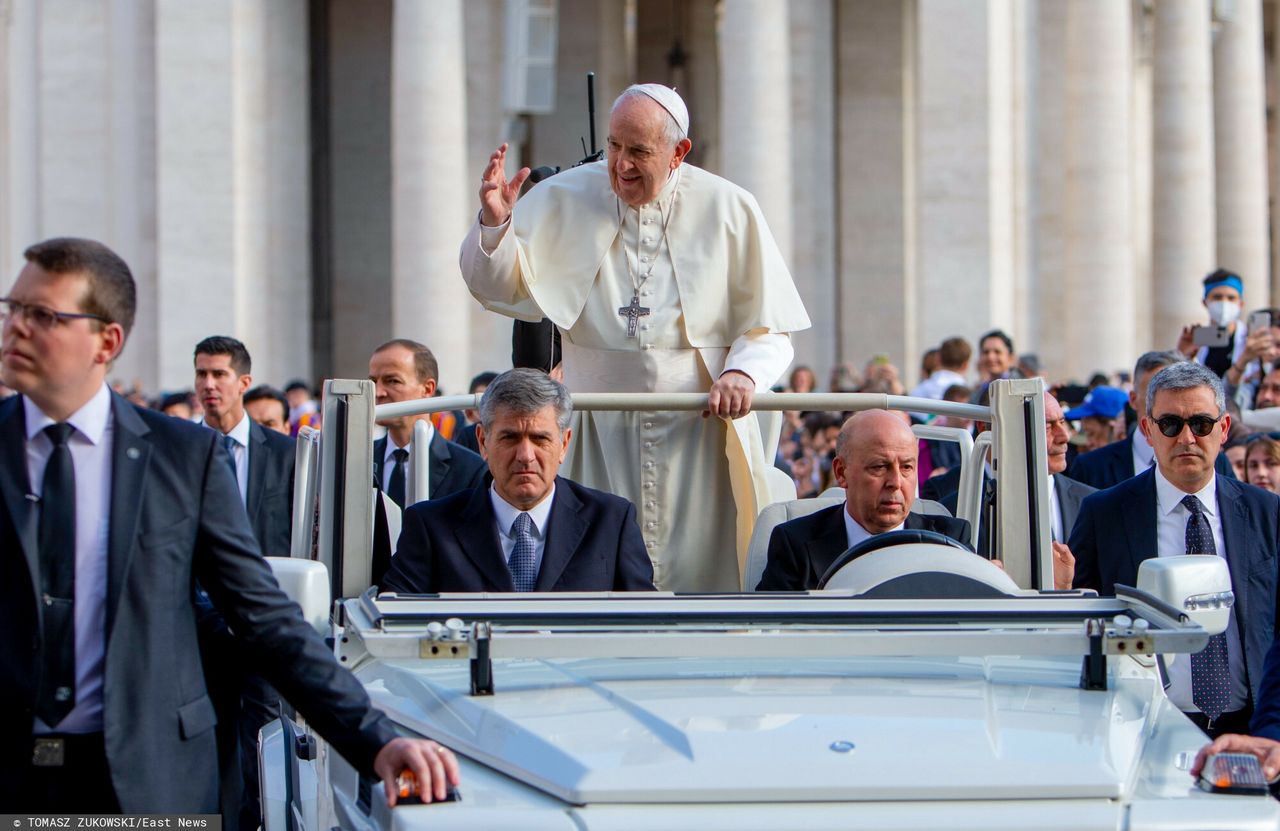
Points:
[(991, 705)]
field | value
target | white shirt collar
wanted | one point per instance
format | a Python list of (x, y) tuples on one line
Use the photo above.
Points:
[(90, 420), (240, 433), (506, 513), (1142, 448), (853, 530), (1169, 496), (392, 447)]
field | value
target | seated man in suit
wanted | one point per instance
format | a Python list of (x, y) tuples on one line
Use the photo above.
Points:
[(1181, 506), (1114, 463), (875, 463), (405, 370), (528, 530)]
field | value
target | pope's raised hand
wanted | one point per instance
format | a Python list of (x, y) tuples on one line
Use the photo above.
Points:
[(497, 194)]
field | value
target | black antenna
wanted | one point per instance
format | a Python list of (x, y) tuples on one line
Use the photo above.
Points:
[(591, 108)]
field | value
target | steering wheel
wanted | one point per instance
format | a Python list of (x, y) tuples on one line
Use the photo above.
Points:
[(903, 536)]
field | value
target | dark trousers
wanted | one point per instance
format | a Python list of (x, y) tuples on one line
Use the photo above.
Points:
[(80, 784), (1235, 722)]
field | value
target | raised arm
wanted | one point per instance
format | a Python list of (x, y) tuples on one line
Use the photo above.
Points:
[(498, 194)]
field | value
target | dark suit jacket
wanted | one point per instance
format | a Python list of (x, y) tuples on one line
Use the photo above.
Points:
[(175, 518), (451, 545), (1116, 531), (1070, 494), (801, 550), (1266, 714), (269, 499), (1112, 464), (453, 467)]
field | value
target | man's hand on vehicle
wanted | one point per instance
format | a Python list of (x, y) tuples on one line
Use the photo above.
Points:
[(731, 395), (434, 766), (1266, 750)]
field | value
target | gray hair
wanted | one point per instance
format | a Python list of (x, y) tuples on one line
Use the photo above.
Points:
[(671, 132), (1155, 360), (525, 392), (1185, 375)]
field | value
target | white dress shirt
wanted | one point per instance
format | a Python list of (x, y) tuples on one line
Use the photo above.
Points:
[(239, 453), (91, 456), (1171, 541), (1055, 513), (1143, 453), (389, 461), (854, 532), (505, 515)]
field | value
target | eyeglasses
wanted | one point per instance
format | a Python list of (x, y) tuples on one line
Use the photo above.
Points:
[(42, 317), (1201, 425)]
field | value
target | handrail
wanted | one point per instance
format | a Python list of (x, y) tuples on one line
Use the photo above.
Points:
[(639, 401)]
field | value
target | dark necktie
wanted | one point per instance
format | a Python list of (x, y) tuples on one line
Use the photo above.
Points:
[(57, 689), (524, 573), (1210, 672), (395, 485), (230, 444)]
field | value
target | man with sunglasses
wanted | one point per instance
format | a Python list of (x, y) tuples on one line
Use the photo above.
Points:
[(1181, 506), (109, 514)]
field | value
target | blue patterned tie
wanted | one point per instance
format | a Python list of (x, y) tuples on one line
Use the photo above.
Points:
[(524, 574), (230, 444), (1210, 672)]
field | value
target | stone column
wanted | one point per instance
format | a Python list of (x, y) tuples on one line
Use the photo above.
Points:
[(875, 106), (755, 109), (1097, 260), (1183, 173), (965, 181), (813, 161), (432, 201), (21, 146), (1140, 170), (1047, 162), (1240, 148)]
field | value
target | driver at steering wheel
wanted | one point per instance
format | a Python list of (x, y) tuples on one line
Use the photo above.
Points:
[(876, 465)]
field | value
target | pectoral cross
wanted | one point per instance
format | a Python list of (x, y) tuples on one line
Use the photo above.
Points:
[(633, 313)]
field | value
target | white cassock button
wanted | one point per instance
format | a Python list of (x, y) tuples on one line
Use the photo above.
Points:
[(644, 326)]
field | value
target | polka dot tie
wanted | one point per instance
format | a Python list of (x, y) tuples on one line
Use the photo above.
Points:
[(1210, 673), (524, 572)]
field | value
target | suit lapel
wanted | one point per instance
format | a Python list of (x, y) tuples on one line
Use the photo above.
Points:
[(477, 534), (379, 450), (1235, 528), (257, 469), (1139, 512), (130, 457), (1122, 461), (441, 460), (565, 529), (14, 486), (829, 542)]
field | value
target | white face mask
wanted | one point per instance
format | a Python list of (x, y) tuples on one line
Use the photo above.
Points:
[(1224, 312)]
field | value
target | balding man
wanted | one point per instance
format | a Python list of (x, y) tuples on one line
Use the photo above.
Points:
[(876, 465)]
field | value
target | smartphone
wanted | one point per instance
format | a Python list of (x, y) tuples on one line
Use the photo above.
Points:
[(1211, 336), (1259, 320), (882, 358), (1238, 773)]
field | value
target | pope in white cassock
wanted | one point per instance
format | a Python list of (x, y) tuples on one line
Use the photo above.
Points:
[(662, 278)]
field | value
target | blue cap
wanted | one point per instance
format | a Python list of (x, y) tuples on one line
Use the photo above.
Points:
[(1103, 402)]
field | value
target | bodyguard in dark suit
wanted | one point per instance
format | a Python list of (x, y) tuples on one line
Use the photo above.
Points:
[(1181, 507), (875, 463), (405, 370), (109, 514), (262, 461), (528, 529), (1114, 463)]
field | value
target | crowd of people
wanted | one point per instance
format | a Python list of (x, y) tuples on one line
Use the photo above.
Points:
[(141, 689)]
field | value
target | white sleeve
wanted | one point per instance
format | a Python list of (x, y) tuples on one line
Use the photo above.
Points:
[(1264, 420), (491, 269), (762, 355)]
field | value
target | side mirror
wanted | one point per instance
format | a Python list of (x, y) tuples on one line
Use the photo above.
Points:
[(1197, 584), (307, 584)]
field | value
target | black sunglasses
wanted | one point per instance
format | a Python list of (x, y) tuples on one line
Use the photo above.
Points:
[(1201, 425)]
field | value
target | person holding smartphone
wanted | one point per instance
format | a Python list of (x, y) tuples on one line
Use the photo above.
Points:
[(1222, 342)]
